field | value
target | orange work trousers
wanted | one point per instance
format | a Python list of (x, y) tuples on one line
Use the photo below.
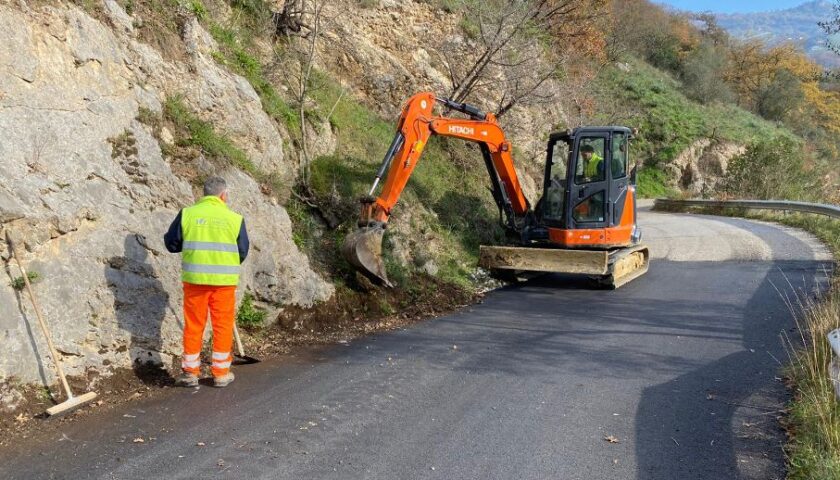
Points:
[(220, 301)]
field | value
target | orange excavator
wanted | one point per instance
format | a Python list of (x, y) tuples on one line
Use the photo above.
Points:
[(585, 222)]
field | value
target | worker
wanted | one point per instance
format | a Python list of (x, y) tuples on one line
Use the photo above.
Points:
[(213, 243), (592, 163)]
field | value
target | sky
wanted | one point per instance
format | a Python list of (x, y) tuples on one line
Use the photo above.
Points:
[(731, 6)]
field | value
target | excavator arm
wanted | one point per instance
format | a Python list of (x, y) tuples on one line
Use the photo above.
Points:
[(416, 125)]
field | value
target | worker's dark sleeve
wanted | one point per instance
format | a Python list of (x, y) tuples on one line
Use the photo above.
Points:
[(174, 237), (242, 242)]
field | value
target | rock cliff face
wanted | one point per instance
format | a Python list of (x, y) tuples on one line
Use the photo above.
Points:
[(700, 168), (85, 187)]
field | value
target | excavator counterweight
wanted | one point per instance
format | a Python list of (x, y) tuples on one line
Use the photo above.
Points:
[(585, 222)]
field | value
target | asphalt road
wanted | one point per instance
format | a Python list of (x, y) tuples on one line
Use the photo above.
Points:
[(680, 367)]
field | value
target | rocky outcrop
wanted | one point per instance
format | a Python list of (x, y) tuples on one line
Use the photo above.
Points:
[(699, 168), (86, 188), (398, 48)]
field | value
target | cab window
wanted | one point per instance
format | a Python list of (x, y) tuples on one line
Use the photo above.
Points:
[(590, 161), (555, 194), (619, 155)]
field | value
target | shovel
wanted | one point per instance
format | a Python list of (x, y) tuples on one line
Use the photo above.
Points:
[(240, 358)]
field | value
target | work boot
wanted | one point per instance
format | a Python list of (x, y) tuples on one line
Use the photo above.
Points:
[(187, 380), (224, 380)]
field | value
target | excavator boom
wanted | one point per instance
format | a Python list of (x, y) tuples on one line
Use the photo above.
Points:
[(363, 248)]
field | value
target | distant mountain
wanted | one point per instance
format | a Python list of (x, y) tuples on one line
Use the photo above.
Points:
[(797, 24)]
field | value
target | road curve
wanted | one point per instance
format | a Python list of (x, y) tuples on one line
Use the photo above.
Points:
[(678, 368)]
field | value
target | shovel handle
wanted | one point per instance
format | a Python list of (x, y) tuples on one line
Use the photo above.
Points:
[(238, 340), (43, 324)]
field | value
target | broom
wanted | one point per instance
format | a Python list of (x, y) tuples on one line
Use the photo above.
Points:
[(72, 401)]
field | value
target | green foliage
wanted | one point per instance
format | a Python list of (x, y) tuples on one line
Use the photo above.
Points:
[(248, 315), (197, 8), (18, 283), (470, 27), (385, 307), (196, 132), (448, 6), (43, 394), (662, 50), (702, 75), (783, 95), (257, 9), (652, 183), (772, 169), (668, 121)]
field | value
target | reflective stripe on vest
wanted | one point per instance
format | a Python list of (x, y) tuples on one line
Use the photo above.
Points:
[(210, 255), (213, 246)]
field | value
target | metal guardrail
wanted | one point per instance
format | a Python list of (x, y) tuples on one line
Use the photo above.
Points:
[(805, 207)]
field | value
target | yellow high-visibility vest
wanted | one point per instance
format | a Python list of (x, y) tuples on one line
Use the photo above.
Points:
[(210, 254)]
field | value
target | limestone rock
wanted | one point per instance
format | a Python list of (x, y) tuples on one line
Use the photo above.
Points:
[(701, 167), (86, 187)]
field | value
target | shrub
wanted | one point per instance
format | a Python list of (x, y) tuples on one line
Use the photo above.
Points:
[(248, 315), (774, 169), (783, 95), (198, 9), (19, 284)]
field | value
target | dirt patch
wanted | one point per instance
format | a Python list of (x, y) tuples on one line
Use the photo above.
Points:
[(351, 313), (124, 386)]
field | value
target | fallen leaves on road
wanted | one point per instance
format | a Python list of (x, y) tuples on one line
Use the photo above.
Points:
[(611, 438)]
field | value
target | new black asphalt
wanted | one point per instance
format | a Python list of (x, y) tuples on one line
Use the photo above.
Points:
[(674, 376)]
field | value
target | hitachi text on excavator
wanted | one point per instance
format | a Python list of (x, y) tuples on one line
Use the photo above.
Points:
[(585, 222)]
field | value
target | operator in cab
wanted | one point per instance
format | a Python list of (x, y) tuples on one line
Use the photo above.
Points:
[(593, 164)]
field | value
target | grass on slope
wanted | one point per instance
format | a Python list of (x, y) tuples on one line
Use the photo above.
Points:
[(668, 121)]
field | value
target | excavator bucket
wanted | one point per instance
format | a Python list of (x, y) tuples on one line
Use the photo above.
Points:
[(363, 249)]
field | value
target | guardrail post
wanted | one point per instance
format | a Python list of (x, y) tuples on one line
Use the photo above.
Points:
[(834, 366)]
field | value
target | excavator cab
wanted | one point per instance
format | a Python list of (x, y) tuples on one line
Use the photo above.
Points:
[(589, 189)]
